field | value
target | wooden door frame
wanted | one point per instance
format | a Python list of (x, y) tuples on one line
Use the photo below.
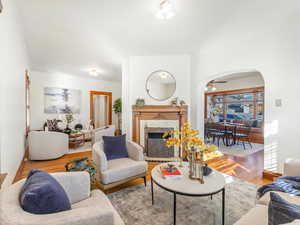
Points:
[(109, 95)]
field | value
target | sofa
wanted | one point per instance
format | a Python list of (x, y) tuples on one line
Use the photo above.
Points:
[(46, 145), (259, 214), (88, 207)]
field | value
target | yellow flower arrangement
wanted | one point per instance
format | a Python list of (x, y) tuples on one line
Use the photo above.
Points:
[(188, 140)]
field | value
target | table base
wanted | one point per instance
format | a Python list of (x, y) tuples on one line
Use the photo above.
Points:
[(175, 194)]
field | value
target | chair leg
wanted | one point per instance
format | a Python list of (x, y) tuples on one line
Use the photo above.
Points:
[(223, 138), (249, 143), (145, 181), (244, 145)]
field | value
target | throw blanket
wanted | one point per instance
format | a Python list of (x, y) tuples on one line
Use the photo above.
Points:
[(287, 184)]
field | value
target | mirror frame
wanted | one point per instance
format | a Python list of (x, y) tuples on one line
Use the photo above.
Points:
[(148, 91)]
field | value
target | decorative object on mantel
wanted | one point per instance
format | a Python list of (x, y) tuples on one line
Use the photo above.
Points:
[(118, 110), (174, 102), (160, 85), (191, 146), (182, 102), (140, 102)]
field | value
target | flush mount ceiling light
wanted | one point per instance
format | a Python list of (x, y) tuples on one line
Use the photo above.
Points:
[(94, 72), (166, 10)]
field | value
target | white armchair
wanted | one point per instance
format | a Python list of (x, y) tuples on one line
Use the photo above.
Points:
[(291, 167), (111, 173), (88, 208), (45, 145), (98, 133)]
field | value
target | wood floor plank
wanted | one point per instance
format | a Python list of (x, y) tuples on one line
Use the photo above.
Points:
[(249, 169)]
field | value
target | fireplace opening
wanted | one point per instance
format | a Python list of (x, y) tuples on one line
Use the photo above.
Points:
[(155, 144)]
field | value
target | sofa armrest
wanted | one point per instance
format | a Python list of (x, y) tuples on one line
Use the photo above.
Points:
[(135, 151), (76, 184), (99, 157), (291, 167)]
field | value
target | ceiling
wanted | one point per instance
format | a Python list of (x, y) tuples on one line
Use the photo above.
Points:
[(73, 36), (241, 75)]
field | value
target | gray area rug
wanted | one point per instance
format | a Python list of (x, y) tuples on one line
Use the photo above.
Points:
[(134, 205), (239, 151)]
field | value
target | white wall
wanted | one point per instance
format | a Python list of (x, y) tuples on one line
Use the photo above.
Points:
[(39, 80), (262, 35), (251, 80), (136, 70), (12, 91)]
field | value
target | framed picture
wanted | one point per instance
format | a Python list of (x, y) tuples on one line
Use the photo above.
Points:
[(61, 100), (1, 6)]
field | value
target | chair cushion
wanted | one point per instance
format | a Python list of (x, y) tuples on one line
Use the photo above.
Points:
[(257, 215), (119, 169), (42, 194), (115, 147), (281, 211)]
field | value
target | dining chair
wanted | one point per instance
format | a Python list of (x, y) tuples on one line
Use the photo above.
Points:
[(243, 135), (230, 134), (216, 132)]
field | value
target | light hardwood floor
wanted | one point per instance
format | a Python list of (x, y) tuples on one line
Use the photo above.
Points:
[(249, 169)]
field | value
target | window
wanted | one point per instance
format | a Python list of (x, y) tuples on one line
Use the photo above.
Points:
[(243, 104)]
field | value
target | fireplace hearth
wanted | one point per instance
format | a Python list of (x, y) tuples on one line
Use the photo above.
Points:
[(155, 144)]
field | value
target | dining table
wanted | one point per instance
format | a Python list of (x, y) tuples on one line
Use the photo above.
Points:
[(230, 130)]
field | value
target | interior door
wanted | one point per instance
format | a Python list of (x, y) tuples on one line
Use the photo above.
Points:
[(101, 108)]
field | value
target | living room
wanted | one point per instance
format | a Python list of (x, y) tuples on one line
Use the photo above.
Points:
[(165, 60)]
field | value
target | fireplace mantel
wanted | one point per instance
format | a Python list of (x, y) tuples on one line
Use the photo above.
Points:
[(156, 112)]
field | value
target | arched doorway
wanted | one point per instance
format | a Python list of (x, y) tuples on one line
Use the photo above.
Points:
[(234, 116)]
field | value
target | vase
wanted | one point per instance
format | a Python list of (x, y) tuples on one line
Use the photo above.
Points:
[(196, 165)]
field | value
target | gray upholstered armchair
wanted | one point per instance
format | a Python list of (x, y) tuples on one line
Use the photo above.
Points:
[(111, 173), (88, 208)]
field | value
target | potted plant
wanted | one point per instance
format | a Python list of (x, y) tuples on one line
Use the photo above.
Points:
[(69, 119), (117, 107)]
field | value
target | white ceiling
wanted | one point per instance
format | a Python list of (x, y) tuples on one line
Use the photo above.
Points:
[(243, 75), (74, 36)]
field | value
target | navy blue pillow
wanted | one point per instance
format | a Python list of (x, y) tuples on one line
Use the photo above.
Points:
[(42, 194), (115, 147), (281, 211)]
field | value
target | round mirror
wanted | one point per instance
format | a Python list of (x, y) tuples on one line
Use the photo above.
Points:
[(161, 85)]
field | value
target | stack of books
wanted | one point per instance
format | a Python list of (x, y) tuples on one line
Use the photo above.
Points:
[(170, 173)]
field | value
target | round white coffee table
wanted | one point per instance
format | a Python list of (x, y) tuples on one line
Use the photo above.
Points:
[(213, 184)]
